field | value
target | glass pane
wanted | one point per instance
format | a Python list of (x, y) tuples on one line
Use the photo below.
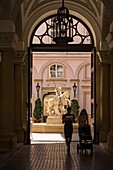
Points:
[(52, 74), (59, 67), (77, 39), (87, 40), (41, 29), (46, 39), (53, 70), (53, 67), (56, 70), (81, 29), (59, 70), (36, 40), (59, 74)]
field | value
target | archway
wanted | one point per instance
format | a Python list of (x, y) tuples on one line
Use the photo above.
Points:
[(85, 43)]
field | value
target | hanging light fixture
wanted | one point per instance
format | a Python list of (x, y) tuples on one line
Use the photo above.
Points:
[(62, 26), (74, 89), (37, 89)]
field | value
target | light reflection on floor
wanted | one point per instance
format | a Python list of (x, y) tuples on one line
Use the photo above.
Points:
[(50, 138)]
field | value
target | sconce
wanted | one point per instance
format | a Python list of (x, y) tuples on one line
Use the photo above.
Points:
[(37, 89), (74, 89)]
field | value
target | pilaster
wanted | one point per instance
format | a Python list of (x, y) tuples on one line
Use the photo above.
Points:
[(8, 40), (7, 135), (19, 95), (105, 70), (110, 135), (109, 40)]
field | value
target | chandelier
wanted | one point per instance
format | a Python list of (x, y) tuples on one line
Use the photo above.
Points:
[(62, 26)]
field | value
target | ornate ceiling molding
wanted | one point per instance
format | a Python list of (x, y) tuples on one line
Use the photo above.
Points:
[(37, 4)]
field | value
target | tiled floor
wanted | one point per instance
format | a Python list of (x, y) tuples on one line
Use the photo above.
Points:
[(47, 154)]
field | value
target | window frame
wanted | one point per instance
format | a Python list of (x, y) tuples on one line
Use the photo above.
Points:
[(56, 71)]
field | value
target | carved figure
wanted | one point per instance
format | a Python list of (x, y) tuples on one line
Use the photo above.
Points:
[(57, 105)]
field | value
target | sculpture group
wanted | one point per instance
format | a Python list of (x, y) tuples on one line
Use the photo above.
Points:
[(58, 104)]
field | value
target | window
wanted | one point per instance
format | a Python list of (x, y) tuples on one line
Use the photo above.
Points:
[(56, 71), (43, 33)]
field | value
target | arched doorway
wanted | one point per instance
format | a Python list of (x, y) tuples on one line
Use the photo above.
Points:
[(43, 42)]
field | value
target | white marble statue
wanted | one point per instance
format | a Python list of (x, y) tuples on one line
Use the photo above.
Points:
[(57, 105)]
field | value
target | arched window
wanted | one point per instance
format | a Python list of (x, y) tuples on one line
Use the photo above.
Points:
[(56, 71), (43, 32)]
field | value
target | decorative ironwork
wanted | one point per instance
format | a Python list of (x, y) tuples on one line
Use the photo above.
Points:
[(62, 26), (43, 33), (74, 89), (37, 89)]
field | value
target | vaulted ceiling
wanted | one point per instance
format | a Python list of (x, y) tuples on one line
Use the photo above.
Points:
[(22, 12), (93, 5), (8, 8)]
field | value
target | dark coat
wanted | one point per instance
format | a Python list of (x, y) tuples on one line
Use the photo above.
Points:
[(68, 120)]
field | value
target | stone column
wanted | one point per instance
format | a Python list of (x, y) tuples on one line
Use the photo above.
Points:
[(8, 40), (20, 105), (110, 135), (19, 96), (109, 39), (105, 67), (97, 118)]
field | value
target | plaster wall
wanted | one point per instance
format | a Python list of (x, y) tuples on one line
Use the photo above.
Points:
[(77, 68)]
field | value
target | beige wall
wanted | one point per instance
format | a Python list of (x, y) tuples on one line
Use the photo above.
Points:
[(77, 70)]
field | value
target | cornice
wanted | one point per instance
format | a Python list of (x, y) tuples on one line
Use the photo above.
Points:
[(8, 40), (56, 79), (74, 80), (38, 79), (86, 80), (19, 57), (105, 57), (53, 88)]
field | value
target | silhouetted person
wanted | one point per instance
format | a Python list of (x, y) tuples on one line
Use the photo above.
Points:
[(82, 120), (68, 119)]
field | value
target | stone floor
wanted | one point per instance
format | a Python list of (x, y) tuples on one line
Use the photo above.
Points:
[(48, 152)]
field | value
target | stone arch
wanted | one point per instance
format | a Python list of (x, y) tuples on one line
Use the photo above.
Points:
[(78, 11), (51, 62), (87, 62)]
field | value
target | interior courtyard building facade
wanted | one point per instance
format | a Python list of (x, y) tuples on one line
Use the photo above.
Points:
[(26, 61)]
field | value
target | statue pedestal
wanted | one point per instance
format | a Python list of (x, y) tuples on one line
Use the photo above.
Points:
[(51, 128), (54, 120)]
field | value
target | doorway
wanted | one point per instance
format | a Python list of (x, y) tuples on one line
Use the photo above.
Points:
[(82, 44)]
